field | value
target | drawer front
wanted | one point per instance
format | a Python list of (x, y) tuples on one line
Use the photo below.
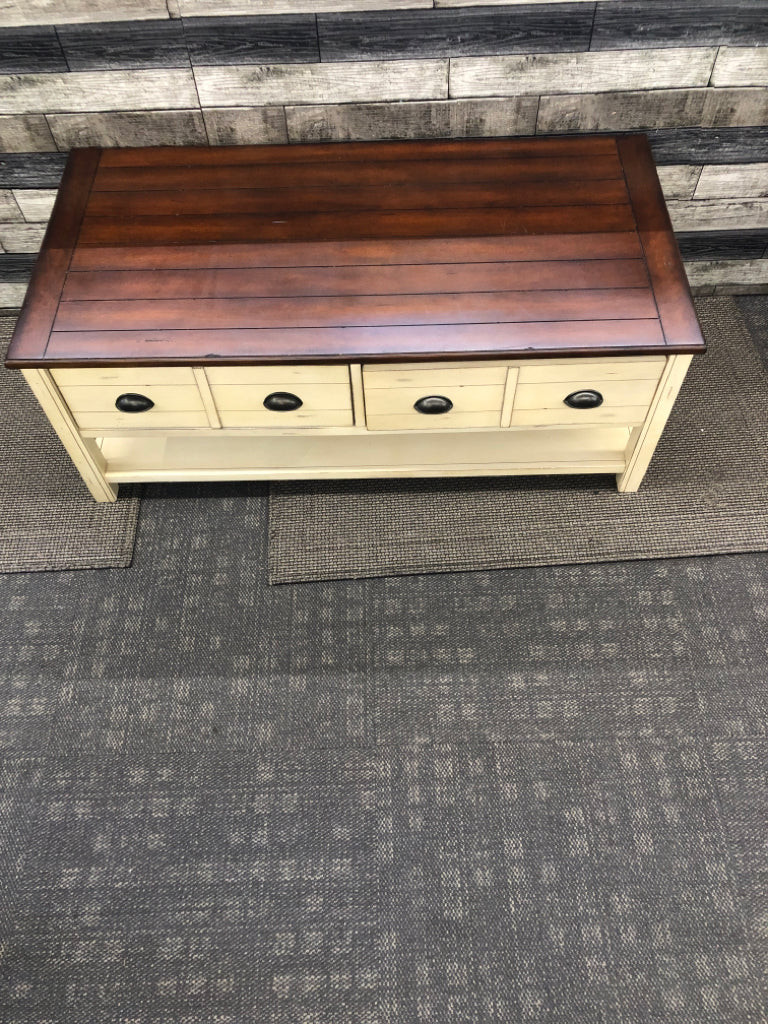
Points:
[(246, 401), (126, 377), (548, 371), (274, 376), (472, 397), (619, 401), (93, 397)]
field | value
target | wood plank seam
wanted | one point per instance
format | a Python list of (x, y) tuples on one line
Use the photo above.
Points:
[(206, 395), (510, 387), (358, 394)]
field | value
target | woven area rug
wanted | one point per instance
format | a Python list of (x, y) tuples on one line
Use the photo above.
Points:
[(48, 519), (705, 493)]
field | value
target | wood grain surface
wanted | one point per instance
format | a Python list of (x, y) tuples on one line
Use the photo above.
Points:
[(367, 251), (286, 39), (421, 279), (30, 50), (645, 23), (315, 199), (25, 133), (248, 85), (537, 74), (147, 89), (362, 152), (458, 341), (378, 35), (665, 265), (428, 119), (139, 44), (124, 128), (31, 170)]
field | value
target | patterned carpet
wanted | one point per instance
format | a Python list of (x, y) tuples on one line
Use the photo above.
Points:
[(508, 796)]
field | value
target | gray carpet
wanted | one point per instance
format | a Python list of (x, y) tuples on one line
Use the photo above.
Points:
[(476, 798), (48, 519), (705, 493)]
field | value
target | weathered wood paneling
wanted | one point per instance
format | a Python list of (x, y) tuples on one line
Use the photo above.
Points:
[(31, 170), (48, 12), (646, 24), (733, 181), (718, 214), (723, 245), (97, 90), (741, 272), (21, 237), (678, 181), (709, 145), (281, 39), (580, 72), (731, 289), (35, 203), (619, 111), (447, 33), (437, 120), (256, 85), (131, 44), (204, 8), (129, 128), (507, 3), (12, 293), (9, 208), (25, 50), (120, 74), (662, 108), (25, 133), (741, 65), (16, 267), (733, 107), (238, 126)]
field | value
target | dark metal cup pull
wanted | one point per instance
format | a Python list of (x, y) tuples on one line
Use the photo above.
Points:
[(282, 401), (130, 402), (433, 405), (584, 399)]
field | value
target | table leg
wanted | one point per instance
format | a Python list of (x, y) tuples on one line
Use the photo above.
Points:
[(83, 451), (643, 441)]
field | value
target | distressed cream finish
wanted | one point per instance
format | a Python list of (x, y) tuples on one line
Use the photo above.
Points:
[(508, 417)]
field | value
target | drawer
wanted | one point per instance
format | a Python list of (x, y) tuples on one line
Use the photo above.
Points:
[(282, 396), (92, 396), (126, 377), (552, 370), (471, 397), (623, 402), (307, 373)]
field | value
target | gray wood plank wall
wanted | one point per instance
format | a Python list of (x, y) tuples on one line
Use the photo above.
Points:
[(693, 75)]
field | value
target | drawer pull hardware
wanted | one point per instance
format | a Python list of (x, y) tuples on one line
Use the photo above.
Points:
[(130, 402), (584, 399), (433, 405), (282, 401)]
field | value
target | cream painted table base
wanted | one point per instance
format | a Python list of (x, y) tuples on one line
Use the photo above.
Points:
[(517, 433)]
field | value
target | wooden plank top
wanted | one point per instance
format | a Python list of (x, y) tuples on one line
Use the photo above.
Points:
[(358, 251)]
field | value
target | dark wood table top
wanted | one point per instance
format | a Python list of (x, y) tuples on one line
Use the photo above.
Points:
[(351, 251)]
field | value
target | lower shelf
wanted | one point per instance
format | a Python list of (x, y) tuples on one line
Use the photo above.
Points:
[(254, 457)]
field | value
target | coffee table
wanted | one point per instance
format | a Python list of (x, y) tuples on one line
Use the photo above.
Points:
[(393, 309)]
